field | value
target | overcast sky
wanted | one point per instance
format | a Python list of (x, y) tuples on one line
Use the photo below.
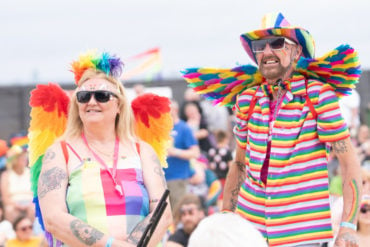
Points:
[(38, 39)]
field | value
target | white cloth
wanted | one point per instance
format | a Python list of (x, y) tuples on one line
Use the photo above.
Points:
[(347, 104), (20, 187), (6, 228)]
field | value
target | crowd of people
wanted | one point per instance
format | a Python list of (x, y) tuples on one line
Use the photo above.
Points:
[(100, 183), (195, 194)]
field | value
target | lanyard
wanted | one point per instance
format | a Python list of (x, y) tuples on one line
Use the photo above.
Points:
[(101, 161)]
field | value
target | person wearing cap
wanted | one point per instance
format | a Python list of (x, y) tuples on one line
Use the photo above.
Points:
[(287, 114), (291, 205)]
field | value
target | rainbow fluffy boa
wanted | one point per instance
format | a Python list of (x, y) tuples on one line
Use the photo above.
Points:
[(340, 68)]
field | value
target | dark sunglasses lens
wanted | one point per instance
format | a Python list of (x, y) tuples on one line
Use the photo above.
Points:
[(259, 45), (102, 96), (83, 96), (277, 44), (364, 209), (25, 228)]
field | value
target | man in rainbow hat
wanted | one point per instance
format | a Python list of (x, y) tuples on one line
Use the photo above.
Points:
[(287, 118)]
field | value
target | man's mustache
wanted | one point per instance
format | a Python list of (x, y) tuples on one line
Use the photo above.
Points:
[(269, 58)]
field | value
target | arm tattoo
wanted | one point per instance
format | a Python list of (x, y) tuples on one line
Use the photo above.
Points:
[(158, 170), (340, 146), (49, 156), (138, 231), (235, 191), (85, 233), (51, 180)]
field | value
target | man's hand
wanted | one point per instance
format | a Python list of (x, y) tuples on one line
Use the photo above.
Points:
[(346, 238)]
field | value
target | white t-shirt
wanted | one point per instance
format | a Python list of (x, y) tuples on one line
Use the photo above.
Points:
[(7, 229), (347, 104)]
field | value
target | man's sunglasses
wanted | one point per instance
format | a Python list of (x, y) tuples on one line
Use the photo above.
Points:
[(277, 43), (100, 96)]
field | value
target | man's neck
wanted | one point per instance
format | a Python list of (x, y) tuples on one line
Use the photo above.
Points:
[(286, 76)]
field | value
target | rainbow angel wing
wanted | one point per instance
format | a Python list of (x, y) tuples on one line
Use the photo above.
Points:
[(221, 86), (340, 68), (49, 105), (154, 122)]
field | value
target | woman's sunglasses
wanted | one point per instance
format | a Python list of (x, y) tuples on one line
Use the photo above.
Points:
[(100, 96), (277, 43)]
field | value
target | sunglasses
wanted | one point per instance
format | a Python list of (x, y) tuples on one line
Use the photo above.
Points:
[(25, 228), (277, 43), (185, 211), (100, 96), (365, 208)]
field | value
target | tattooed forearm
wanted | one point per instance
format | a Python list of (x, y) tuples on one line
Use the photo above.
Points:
[(49, 156), (340, 146), (85, 233), (50, 180), (235, 191), (241, 166), (158, 170), (138, 231)]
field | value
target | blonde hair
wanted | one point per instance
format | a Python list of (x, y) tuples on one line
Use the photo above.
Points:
[(124, 125)]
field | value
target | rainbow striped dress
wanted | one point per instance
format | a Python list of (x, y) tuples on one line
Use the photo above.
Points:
[(292, 207), (91, 195)]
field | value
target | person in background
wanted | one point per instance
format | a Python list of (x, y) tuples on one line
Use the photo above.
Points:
[(363, 145), (198, 124), (139, 89), (16, 185), (220, 159), (6, 229), (350, 108), (99, 183), (215, 231), (24, 235), (189, 212), (184, 148), (3, 149), (363, 226)]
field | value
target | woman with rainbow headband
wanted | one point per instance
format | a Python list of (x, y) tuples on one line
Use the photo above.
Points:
[(287, 116), (99, 182)]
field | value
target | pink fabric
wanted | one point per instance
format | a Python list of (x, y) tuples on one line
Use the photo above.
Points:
[(265, 165)]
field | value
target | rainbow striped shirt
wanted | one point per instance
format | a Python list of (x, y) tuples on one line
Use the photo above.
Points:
[(292, 208)]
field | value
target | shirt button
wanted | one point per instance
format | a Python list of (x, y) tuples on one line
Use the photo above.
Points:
[(269, 218), (269, 198)]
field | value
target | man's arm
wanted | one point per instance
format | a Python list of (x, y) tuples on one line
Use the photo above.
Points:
[(352, 188), (234, 180)]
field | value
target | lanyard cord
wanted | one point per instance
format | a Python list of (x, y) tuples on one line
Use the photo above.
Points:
[(101, 161)]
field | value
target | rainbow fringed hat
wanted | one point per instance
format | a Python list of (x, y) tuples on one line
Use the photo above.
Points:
[(275, 24)]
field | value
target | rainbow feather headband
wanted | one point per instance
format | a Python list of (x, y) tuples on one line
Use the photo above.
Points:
[(340, 68), (109, 64)]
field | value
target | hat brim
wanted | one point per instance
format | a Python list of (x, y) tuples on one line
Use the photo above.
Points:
[(299, 35)]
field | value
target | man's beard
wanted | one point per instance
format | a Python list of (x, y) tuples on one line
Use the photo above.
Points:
[(189, 227), (271, 74)]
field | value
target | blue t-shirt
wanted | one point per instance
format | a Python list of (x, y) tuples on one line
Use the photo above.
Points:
[(183, 138)]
